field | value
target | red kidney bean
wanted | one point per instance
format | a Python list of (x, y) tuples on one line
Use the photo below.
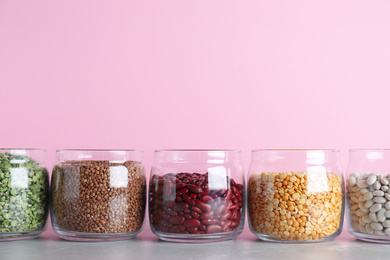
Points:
[(180, 207), (160, 190), (203, 205), (213, 229), (192, 229), (157, 219), (235, 191), (213, 195), (165, 216), (202, 227), (192, 195), (207, 215), (177, 229), (182, 191), (239, 198), (187, 199), (235, 215), (226, 226), (180, 185), (209, 221), (221, 192), (221, 209), (205, 192), (234, 224), (206, 198), (165, 223), (195, 188), (195, 215), (233, 206), (191, 223), (228, 195), (163, 229), (177, 220), (226, 215), (170, 212), (167, 188), (197, 210), (171, 204), (178, 199)]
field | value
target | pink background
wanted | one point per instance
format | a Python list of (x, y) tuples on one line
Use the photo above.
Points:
[(194, 74)]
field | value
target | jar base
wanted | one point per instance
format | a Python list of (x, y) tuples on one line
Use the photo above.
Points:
[(269, 238), (93, 237), (199, 238), (371, 238), (10, 236)]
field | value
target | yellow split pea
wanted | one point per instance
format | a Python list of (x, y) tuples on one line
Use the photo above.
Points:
[(295, 205)]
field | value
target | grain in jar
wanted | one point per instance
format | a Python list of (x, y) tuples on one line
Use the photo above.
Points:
[(102, 198), (294, 206)]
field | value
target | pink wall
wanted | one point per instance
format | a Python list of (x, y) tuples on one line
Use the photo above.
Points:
[(195, 74)]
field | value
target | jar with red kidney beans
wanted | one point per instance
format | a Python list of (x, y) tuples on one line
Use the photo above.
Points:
[(197, 195)]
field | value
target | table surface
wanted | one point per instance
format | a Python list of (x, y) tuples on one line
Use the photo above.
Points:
[(147, 246)]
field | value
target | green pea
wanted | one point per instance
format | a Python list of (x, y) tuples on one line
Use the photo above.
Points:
[(23, 192)]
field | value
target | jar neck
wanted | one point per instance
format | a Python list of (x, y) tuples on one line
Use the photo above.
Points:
[(109, 155), (214, 156), (314, 157), (369, 155)]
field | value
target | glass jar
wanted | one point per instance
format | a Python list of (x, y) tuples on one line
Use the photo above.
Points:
[(295, 195), (197, 195), (98, 195), (368, 195), (24, 193)]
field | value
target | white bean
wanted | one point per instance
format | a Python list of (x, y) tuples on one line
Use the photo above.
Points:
[(380, 200), (368, 196), (371, 180), (373, 217), (362, 184), (386, 223), (378, 193), (381, 215), (376, 226), (375, 207)]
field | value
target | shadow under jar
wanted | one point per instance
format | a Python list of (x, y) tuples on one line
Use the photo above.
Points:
[(24, 193), (368, 194), (295, 196), (197, 195), (98, 195)]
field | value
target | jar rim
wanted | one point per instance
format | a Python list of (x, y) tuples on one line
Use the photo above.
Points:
[(368, 149), (98, 150), (197, 150), (19, 149), (294, 150)]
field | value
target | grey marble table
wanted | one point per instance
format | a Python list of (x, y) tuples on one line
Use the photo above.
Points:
[(147, 246)]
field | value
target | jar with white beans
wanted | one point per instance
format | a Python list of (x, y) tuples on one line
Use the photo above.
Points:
[(368, 195)]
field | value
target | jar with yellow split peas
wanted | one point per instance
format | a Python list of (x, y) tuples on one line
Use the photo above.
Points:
[(295, 195)]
